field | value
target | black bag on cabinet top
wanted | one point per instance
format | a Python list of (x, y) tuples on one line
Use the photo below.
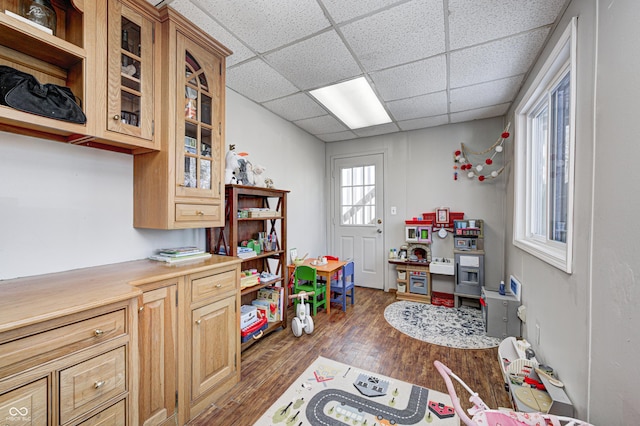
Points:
[(24, 92)]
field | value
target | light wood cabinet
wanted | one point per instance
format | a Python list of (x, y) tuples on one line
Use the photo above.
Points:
[(212, 338), (26, 405), (58, 59), (126, 57), (181, 186), (69, 369), (157, 353)]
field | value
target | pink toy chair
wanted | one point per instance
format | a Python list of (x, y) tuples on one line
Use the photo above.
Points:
[(483, 416)]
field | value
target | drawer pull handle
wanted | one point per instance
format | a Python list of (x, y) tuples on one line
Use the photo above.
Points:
[(98, 384), (98, 332), (199, 212), (259, 335), (141, 308), (218, 285), (198, 322)]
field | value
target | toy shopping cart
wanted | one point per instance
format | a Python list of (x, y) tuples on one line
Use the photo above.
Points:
[(484, 416)]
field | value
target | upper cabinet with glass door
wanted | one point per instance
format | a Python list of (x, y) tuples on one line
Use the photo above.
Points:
[(191, 158), (127, 112)]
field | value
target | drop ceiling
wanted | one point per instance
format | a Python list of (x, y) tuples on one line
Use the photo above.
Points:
[(431, 62)]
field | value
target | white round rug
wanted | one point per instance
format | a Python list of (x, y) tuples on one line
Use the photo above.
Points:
[(460, 328)]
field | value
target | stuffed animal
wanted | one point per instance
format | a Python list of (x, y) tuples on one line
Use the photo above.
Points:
[(269, 183), (232, 165), (257, 175)]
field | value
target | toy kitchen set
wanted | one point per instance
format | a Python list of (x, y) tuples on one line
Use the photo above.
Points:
[(468, 253), (416, 267)]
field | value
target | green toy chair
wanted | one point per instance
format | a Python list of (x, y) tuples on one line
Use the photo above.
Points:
[(305, 278)]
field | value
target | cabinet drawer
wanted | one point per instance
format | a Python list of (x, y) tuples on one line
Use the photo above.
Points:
[(63, 340), (112, 416), (26, 405), (197, 212), (213, 285), (86, 385)]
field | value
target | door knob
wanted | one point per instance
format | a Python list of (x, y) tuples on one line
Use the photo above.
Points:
[(379, 221), (379, 231)]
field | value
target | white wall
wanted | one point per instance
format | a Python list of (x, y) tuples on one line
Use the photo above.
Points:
[(294, 160), (66, 207), (589, 319), (615, 283), (419, 178)]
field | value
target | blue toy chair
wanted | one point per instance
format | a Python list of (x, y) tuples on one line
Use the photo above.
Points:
[(344, 287), (305, 278)]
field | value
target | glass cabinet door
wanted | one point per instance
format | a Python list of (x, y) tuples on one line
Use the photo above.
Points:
[(130, 104), (199, 125)]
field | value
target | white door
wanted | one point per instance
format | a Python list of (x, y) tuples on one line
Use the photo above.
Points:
[(357, 194)]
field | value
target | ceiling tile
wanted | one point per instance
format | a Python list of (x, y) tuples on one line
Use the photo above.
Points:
[(485, 94), (419, 106), (295, 107), (478, 21), (319, 125), (381, 129), (417, 78), (398, 35), (419, 123), (344, 10), (200, 16), (315, 62), (258, 81), (339, 136), (480, 113), (263, 25), (502, 58)]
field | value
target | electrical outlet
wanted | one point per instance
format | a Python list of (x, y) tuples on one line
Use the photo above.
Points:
[(537, 334)]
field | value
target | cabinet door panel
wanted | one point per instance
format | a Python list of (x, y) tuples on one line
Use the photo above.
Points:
[(27, 405), (214, 332), (130, 89), (156, 346), (198, 122)]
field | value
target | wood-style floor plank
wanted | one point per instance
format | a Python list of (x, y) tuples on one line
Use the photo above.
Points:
[(361, 337)]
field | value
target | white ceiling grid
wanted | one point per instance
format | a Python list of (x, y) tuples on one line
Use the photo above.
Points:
[(431, 62)]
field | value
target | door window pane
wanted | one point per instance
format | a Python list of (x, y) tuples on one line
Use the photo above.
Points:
[(358, 200)]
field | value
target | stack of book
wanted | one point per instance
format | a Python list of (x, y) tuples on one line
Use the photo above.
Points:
[(180, 254), (246, 252)]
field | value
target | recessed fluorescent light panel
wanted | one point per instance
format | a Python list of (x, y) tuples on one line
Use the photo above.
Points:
[(353, 102)]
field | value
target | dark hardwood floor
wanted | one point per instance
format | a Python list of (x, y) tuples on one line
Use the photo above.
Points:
[(362, 338)]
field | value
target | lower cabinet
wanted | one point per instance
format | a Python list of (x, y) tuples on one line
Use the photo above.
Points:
[(27, 404), (416, 282), (157, 354), (188, 343), (71, 370)]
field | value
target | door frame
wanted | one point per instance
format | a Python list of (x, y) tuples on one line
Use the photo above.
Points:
[(331, 205)]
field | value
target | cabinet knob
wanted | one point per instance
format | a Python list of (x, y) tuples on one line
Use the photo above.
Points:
[(199, 212), (141, 308), (98, 384), (198, 321), (218, 285), (98, 332), (116, 117)]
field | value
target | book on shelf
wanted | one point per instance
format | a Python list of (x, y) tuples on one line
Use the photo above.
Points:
[(180, 251), (179, 259), (247, 254)]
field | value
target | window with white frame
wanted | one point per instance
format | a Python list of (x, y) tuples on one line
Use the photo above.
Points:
[(544, 158)]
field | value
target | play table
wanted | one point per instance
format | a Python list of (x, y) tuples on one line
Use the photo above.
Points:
[(327, 270)]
